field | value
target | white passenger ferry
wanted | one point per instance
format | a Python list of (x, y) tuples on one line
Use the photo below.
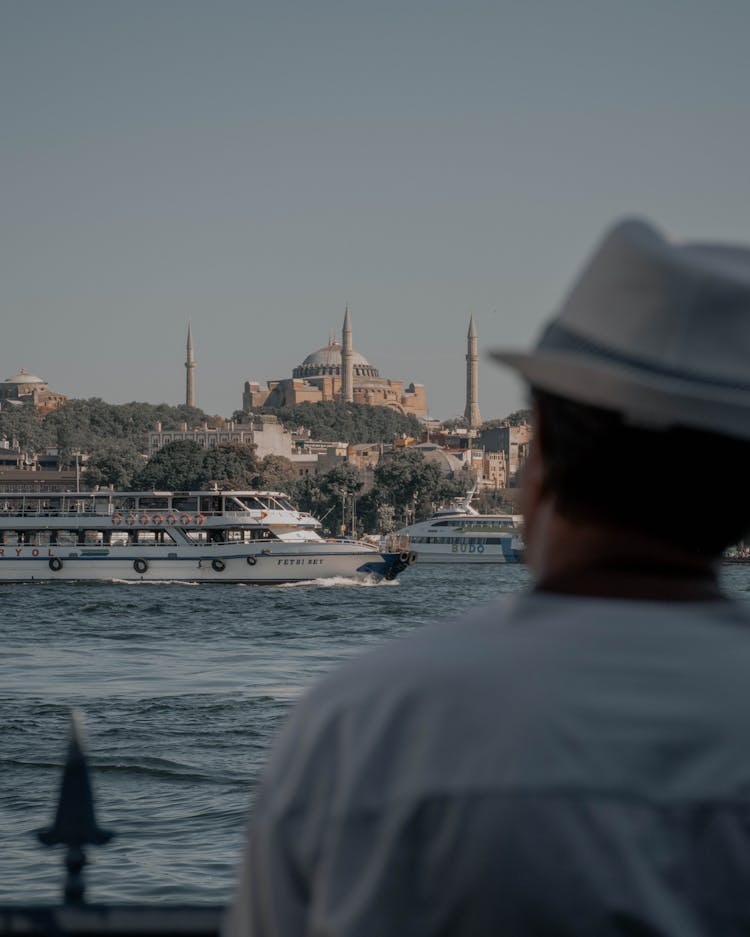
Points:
[(187, 536), (460, 534)]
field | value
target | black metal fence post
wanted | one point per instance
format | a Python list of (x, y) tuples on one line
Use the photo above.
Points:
[(75, 823)]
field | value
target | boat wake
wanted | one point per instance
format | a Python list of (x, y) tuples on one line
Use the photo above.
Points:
[(337, 582), (334, 582), (156, 582)]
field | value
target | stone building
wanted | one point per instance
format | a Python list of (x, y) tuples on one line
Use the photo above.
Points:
[(513, 442), (494, 471), (24, 389), (336, 372), (264, 432)]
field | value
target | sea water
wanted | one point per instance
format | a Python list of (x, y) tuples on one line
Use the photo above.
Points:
[(183, 689)]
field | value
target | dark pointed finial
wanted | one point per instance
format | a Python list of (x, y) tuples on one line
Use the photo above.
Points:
[(75, 821)]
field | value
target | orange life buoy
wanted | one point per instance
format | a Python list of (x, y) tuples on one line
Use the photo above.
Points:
[(130, 520), (184, 519), (143, 520), (199, 519), (171, 520), (157, 520), (116, 520)]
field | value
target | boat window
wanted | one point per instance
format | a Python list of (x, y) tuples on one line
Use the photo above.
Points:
[(248, 535), (11, 505), (153, 504), (253, 503), (280, 504), (185, 504), (240, 535), (233, 504), (151, 537), (210, 504)]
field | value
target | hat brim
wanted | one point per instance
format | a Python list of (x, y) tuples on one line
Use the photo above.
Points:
[(644, 399)]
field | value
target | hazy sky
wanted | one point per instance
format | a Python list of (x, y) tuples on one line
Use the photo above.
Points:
[(254, 166)]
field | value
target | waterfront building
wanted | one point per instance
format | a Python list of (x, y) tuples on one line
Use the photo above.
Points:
[(364, 455), (494, 471), (22, 471), (336, 372), (449, 463), (487, 471), (262, 431), (23, 481), (513, 442), (24, 389)]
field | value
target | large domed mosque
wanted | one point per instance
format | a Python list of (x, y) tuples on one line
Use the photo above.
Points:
[(337, 372), (24, 389)]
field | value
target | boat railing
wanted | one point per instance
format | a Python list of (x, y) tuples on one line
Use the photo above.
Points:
[(80, 511)]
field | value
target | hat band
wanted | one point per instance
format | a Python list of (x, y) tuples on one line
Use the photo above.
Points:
[(558, 338)]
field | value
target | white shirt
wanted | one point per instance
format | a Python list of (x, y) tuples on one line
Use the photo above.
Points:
[(549, 764)]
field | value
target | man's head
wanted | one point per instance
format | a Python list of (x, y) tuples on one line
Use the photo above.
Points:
[(686, 488), (641, 387)]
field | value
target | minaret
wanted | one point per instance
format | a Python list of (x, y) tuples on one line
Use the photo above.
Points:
[(190, 366), (471, 413), (347, 365)]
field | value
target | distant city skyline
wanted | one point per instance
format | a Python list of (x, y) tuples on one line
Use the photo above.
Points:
[(253, 167)]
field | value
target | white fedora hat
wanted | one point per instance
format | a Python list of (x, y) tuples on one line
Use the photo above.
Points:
[(656, 331)]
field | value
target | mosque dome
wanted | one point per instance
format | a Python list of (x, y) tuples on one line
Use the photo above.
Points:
[(327, 360), (23, 377)]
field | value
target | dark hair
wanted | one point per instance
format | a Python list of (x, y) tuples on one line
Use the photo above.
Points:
[(687, 487)]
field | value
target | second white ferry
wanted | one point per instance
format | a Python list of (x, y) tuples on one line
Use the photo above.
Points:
[(458, 533), (188, 536)]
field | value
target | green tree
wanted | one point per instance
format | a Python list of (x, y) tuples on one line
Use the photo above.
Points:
[(516, 418), (115, 464), (275, 472), (307, 495), (89, 424), (340, 485), (179, 465), (456, 422), (353, 422), (22, 425), (230, 465), (186, 465), (409, 484)]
